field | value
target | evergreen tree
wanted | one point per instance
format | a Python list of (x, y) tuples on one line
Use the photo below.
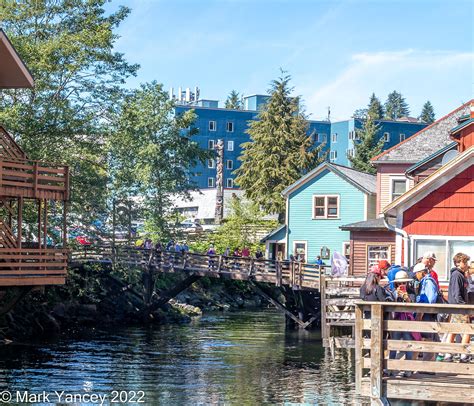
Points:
[(367, 146), (375, 108), (233, 101), (396, 106), (427, 113), (361, 114), (280, 150)]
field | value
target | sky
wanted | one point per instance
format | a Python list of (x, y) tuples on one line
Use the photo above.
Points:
[(337, 52)]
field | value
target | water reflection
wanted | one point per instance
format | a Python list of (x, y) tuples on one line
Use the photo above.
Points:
[(235, 358)]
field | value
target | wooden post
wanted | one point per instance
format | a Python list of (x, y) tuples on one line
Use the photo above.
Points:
[(45, 224), (278, 273), (65, 242), (376, 353), (324, 326), (114, 222), (20, 221), (39, 223), (359, 353), (35, 179)]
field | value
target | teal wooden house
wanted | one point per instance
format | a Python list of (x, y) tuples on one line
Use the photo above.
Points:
[(319, 203)]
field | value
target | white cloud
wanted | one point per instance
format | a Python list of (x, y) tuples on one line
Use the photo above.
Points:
[(443, 77)]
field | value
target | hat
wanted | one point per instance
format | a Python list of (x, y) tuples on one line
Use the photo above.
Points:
[(430, 255), (384, 264), (419, 268), (402, 276), (376, 270)]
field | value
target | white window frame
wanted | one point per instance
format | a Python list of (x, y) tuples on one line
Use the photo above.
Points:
[(212, 125), (211, 163), (386, 137), (334, 137), (326, 214), (333, 155), (395, 178), (389, 253), (211, 182), (353, 136), (305, 248), (230, 145), (229, 124), (322, 138), (403, 137), (231, 166), (211, 144), (229, 182), (350, 152), (344, 245)]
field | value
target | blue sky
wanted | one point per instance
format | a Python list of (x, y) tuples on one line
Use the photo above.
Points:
[(338, 52)]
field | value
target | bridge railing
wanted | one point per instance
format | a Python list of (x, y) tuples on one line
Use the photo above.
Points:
[(385, 328)]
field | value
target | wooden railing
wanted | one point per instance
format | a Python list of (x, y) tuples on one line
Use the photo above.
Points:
[(33, 179), (338, 298), (295, 274), (32, 266), (428, 380)]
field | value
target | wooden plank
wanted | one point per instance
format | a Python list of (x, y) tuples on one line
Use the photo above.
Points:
[(425, 326), (376, 353), (32, 281), (424, 346), (358, 347), (423, 366), (341, 301), (414, 307)]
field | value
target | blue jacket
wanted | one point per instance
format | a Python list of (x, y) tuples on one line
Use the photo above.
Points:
[(428, 290)]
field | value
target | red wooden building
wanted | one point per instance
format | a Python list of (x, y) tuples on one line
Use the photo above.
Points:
[(438, 213), (27, 186)]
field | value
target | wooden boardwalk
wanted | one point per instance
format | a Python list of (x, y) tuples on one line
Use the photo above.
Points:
[(378, 375), (280, 273)]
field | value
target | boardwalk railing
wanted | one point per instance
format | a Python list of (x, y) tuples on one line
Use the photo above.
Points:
[(338, 298), (381, 375), (32, 266), (295, 274)]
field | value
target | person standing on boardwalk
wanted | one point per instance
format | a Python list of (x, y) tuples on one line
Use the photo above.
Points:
[(457, 294), (371, 291), (429, 261)]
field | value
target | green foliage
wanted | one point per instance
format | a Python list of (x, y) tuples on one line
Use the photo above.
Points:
[(241, 229), (280, 150), (361, 114), (152, 151), (234, 101), (427, 113), (375, 108), (396, 106), (68, 47), (367, 146)]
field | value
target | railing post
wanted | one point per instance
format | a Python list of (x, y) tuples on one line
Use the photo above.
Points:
[(359, 352), (376, 353), (278, 273), (35, 179), (324, 327)]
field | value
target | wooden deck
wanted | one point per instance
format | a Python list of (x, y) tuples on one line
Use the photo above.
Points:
[(32, 266), (430, 380), (293, 274)]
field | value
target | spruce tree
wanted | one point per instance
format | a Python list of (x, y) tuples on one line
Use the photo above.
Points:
[(396, 106), (280, 150), (375, 108), (367, 146), (233, 101), (427, 113)]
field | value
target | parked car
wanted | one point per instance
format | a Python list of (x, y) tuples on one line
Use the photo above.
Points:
[(190, 225)]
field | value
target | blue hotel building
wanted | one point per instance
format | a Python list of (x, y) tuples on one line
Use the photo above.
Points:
[(216, 123)]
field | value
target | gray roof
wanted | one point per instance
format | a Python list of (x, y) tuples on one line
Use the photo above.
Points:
[(373, 224), (366, 182), (425, 142)]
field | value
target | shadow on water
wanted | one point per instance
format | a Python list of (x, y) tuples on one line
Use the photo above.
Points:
[(246, 358)]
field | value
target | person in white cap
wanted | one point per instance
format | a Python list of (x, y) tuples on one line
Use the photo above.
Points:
[(429, 261)]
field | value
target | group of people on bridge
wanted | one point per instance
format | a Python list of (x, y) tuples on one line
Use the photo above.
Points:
[(420, 284)]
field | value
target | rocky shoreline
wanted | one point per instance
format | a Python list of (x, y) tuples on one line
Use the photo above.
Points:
[(91, 299)]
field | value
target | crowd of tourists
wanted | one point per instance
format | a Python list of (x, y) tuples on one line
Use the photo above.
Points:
[(420, 284)]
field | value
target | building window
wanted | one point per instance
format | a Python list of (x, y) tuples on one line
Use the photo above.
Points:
[(230, 164), (325, 207), (353, 135), (333, 155), (211, 163), (211, 182), (350, 153), (398, 188), (375, 253), (334, 137), (299, 250), (230, 145), (229, 127), (212, 126), (346, 249), (322, 138), (386, 137), (211, 144), (229, 182), (402, 137)]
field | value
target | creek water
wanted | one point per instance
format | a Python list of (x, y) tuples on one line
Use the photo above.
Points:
[(244, 358)]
